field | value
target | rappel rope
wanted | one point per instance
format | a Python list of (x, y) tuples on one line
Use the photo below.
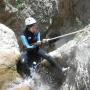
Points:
[(65, 35)]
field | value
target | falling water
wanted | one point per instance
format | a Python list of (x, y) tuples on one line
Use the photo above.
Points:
[(35, 82)]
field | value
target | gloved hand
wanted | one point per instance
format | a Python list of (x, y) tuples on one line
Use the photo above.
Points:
[(45, 40), (38, 43)]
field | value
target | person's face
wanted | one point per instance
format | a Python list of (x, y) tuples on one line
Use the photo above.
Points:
[(33, 29)]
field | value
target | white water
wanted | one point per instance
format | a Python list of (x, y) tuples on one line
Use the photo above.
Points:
[(35, 83)]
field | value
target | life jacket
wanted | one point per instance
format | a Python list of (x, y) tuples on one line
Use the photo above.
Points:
[(31, 37)]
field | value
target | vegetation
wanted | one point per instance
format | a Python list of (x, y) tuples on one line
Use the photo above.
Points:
[(20, 4)]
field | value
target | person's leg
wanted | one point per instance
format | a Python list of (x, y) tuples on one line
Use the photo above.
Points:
[(46, 56), (24, 64), (50, 59), (32, 56)]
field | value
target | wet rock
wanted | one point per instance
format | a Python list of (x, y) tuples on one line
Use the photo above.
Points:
[(23, 88), (9, 54), (72, 14), (75, 54), (8, 15)]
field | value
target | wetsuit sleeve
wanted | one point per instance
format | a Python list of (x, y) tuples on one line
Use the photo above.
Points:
[(38, 37), (25, 42)]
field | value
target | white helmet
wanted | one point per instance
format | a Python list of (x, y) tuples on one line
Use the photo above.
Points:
[(29, 21)]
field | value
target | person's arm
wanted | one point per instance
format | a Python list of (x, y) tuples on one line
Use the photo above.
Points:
[(38, 36), (38, 43), (25, 42)]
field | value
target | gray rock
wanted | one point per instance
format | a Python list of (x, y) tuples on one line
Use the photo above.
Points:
[(9, 54), (76, 55)]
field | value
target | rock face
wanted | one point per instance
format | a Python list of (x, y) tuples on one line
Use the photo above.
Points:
[(9, 54), (75, 54), (72, 14), (8, 15), (56, 14), (13, 13), (54, 17)]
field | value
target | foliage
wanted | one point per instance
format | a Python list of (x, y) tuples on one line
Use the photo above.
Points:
[(19, 4)]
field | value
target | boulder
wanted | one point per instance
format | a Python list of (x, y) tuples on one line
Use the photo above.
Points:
[(9, 54)]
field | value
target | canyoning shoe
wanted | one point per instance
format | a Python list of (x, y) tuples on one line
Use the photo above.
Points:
[(65, 69), (34, 65)]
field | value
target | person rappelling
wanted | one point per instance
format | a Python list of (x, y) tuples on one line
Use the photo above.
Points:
[(31, 40)]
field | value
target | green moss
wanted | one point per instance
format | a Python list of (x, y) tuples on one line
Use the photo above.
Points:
[(19, 4)]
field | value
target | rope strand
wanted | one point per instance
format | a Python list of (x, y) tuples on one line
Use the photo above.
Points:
[(65, 35)]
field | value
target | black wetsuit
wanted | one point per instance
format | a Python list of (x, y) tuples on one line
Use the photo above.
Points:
[(33, 52)]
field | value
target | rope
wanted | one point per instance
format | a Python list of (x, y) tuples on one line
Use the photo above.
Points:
[(65, 35)]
